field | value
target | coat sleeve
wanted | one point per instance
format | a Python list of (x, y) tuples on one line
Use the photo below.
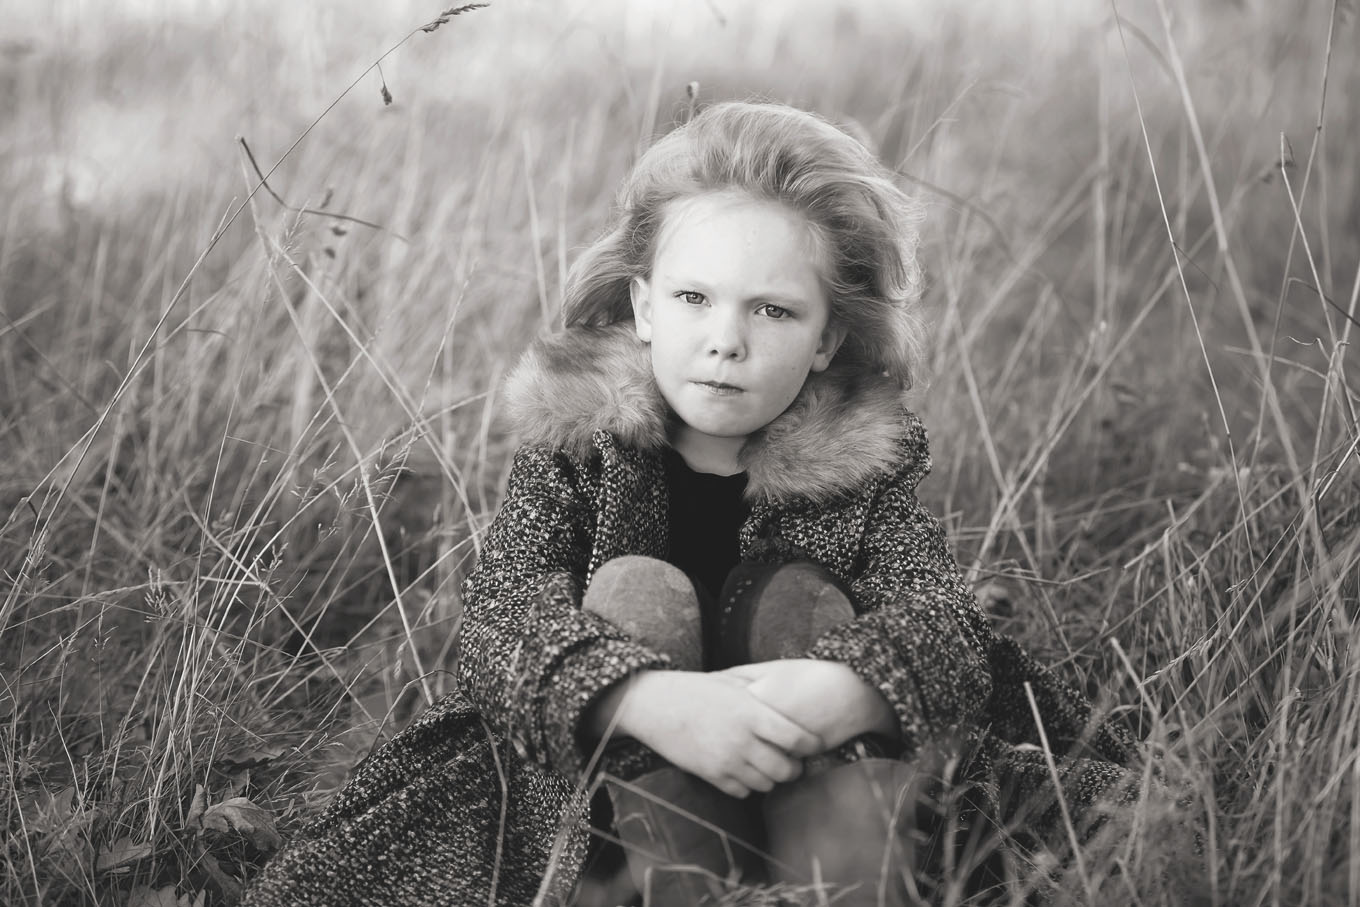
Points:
[(920, 638), (530, 660)]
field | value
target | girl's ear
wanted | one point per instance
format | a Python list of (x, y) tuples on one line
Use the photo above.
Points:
[(832, 338), (641, 293)]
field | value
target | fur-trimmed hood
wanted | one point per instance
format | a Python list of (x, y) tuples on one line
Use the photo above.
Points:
[(842, 430)]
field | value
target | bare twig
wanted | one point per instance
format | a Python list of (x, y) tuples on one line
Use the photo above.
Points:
[(264, 182)]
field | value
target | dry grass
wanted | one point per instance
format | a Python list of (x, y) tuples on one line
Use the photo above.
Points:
[(247, 451)]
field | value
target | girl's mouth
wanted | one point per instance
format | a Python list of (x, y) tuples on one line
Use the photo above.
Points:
[(718, 387)]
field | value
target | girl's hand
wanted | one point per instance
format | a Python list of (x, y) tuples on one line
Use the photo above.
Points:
[(826, 697), (712, 726)]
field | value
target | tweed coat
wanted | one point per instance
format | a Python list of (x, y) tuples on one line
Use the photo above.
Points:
[(482, 799)]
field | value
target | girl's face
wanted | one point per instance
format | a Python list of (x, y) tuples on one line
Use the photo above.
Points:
[(736, 317)]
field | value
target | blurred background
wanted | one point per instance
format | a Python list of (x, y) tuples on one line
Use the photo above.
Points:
[(248, 448)]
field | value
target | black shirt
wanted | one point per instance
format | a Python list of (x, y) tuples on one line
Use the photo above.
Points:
[(706, 514)]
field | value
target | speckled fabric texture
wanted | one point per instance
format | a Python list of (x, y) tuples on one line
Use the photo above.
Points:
[(482, 800)]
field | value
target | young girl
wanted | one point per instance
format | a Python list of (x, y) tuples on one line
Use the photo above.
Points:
[(711, 584)]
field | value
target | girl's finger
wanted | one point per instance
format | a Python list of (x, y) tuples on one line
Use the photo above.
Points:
[(755, 779), (775, 728), (775, 764), (733, 788)]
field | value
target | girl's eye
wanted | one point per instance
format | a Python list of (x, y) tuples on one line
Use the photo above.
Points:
[(770, 310), (690, 296)]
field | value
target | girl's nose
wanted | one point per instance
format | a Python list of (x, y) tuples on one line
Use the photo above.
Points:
[(727, 338)]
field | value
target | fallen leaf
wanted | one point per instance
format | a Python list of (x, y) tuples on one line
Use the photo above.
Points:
[(249, 755), (67, 853), (146, 896), (165, 896), (120, 854), (230, 888), (198, 804), (46, 812), (242, 816), (61, 831), (237, 782)]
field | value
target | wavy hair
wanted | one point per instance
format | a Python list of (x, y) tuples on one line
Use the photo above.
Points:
[(866, 226)]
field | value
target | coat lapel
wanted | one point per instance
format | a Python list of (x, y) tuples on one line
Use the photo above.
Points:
[(633, 512)]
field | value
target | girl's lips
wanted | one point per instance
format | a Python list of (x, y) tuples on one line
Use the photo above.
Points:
[(718, 387)]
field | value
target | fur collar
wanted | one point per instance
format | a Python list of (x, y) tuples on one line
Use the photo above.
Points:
[(841, 431)]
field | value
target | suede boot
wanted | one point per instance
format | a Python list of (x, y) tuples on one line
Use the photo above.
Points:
[(851, 828), (685, 840)]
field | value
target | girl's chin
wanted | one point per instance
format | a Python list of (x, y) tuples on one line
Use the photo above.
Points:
[(716, 429), (722, 416)]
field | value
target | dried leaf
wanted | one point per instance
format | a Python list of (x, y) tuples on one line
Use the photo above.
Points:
[(46, 812), (165, 896), (146, 896), (61, 829), (243, 817), (198, 804), (67, 853), (120, 854), (237, 783), (231, 888), (249, 755)]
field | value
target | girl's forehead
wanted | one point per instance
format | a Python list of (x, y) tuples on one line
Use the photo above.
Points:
[(730, 210)]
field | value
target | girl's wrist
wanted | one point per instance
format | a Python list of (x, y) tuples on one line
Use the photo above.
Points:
[(871, 710), (879, 715), (615, 712)]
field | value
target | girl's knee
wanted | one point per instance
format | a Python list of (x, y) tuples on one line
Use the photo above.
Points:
[(786, 608), (618, 583), (653, 602)]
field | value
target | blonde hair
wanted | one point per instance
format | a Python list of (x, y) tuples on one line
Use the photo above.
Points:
[(866, 226)]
